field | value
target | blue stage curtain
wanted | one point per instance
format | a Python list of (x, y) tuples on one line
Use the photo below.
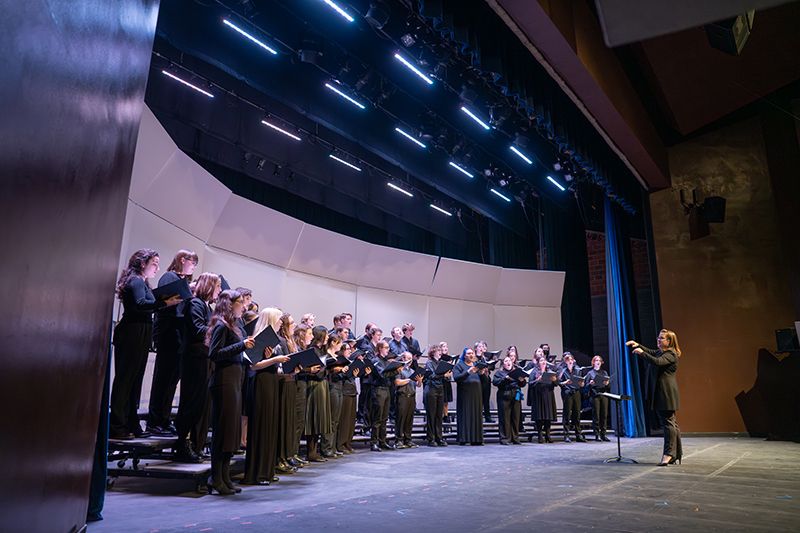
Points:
[(624, 368)]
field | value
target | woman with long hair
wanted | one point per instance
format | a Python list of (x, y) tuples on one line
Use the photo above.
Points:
[(667, 399), (347, 419), (509, 404), (133, 335), (542, 399), (469, 399), (597, 381), (167, 330), (262, 413), (302, 340), (335, 370), (287, 391), (192, 420), (447, 388), (226, 343), (318, 401)]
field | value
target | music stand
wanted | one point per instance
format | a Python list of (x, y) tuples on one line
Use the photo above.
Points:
[(618, 399)]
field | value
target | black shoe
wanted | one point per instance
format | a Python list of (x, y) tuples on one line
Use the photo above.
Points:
[(476, 444), (329, 455), (604, 438), (141, 434), (121, 435), (567, 439), (432, 444), (411, 445), (516, 442), (387, 446), (300, 460), (442, 443), (597, 437), (504, 442), (221, 488), (675, 460), (400, 446), (184, 454), (580, 438), (375, 448), (541, 440)]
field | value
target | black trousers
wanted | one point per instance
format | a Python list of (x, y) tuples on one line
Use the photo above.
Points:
[(404, 422), (194, 402), (300, 411), (571, 414), (672, 434), (166, 374), (486, 391), (599, 414), (364, 400), (131, 348), (509, 411), (392, 402), (433, 399), (329, 439), (379, 414)]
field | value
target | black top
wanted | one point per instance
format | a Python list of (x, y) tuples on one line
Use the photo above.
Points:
[(226, 347), (195, 326), (410, 388), (565, 374), (431, 378), (377, 378), (319, 376), (138, 302), (666, 397), (461, 373), (504, 382), (598, 376), (166, 317)]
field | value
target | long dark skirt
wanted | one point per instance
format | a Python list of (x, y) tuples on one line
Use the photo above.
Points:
[(347, 423), (469, 404), (543, 403), (287, 444), (262, 429), (318, 408), (299, 411), (226, 409)]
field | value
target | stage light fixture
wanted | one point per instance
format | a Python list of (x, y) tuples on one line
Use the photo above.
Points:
[(439, 209), (475, 117), (557, 184), (501, 195), (557, 166), (281, 130), (342, 161), (461, 169), (520, 154), (345, 96), (195, 87), (257, 41), (413, 68), (408, 40), (339, 10), (399, 189), (411, 138)]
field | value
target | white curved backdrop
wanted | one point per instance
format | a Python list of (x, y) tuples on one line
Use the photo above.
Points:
[(174, 203)]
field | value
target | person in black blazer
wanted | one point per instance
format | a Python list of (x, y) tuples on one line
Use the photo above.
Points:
[(667, 400), (226, 343), (195, 370)]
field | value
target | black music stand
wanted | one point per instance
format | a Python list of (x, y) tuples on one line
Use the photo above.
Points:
[(618, 399)]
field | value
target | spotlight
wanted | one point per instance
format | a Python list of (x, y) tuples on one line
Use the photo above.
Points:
[(474, 117), (461, 169), (557, 166), (399, 189), (410, 66), (568, 177), (501, 195), (339, 10), (410, 138), (195, 87), (557, 184), (342, 161), (260, 165), (408, 40), (276, 128), (439, 209), (345, 96), (520, 154), (258, 42), (503, 182)]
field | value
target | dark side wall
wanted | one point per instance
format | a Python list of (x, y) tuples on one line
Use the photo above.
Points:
[(71, 94), (725, 294)]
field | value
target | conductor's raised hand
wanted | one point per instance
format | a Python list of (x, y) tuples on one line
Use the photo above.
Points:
[(632, 344)]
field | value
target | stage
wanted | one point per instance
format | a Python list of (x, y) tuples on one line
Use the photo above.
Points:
[(730, 484)]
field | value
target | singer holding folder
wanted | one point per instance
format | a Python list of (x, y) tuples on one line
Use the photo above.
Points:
[(226, 344), (667, 400)]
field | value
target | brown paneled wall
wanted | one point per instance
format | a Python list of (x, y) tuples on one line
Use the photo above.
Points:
[(724, 294), (71, 94)]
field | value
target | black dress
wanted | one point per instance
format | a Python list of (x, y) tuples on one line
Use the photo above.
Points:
[(541, 398), (133, 336), (225, 351), (262, 426), (469, 404), (287, 392)]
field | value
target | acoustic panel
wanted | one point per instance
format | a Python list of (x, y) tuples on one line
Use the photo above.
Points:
[(537, 288), (266, 281), (460, 323), (400, 270), (527, 328), (303, 293), (154, 148), (188, 196), (253, 230), (330, 255), (466, 281)]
